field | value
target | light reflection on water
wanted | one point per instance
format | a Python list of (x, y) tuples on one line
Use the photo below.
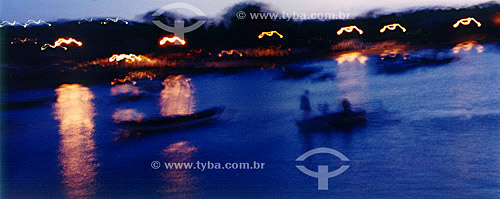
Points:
[(124, 89), (134, 75), (177, 96), (179, 183), (351, 57), (434, 135), (352, 77), (467, 46), (127, 115), (393, 52), (75, 111)]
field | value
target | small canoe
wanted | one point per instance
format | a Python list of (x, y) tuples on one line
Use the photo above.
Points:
[(173, 122)]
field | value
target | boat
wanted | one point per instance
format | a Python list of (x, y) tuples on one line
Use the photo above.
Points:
[(174, 122), (400, 63), (32, 103), (337, 120), (297, 73), (120, 98)]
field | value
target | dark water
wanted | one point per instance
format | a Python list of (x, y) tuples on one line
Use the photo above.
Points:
[(432, 132)]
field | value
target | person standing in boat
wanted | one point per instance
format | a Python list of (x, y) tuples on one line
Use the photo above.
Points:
[(346, 105), (305, 104)]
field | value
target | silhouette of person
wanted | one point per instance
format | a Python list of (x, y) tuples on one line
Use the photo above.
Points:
[(324, 108), (305, 104), (346, 105)]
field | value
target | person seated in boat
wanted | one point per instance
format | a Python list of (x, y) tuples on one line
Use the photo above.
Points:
[(324, 108), (305, 104), (346, 105)]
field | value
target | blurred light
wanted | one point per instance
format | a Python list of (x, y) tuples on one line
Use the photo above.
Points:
[(173, 39), (106, 21), (394, 51), (466, 21), (124, 89), (349, 29), (86, 20), (134, 75), (351, 57), (121, 115), (392, 27), (29, 22), (467, 46), (193, 51), (179, 183), (196, 51), (352, 83), (75, 111), (61, 41), (116, 20), (127, 58), (230, 52), (496, 18), (180, 147), (272, 51), (269, 34), (177, 96), (22, 41)]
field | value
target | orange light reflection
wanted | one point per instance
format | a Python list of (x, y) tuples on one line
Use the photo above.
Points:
[(467, 46), (393, 53), (127, 58), (22, 41), (177, 96), (351, 57), (179, 183), (352, 83), (127, 115), (124, 89), (75, 111), (134, 75)]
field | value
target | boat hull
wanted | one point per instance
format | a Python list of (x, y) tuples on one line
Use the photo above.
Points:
[(340, 120), (173, 122)]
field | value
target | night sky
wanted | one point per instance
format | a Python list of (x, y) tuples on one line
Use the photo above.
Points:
[(22, 10)]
